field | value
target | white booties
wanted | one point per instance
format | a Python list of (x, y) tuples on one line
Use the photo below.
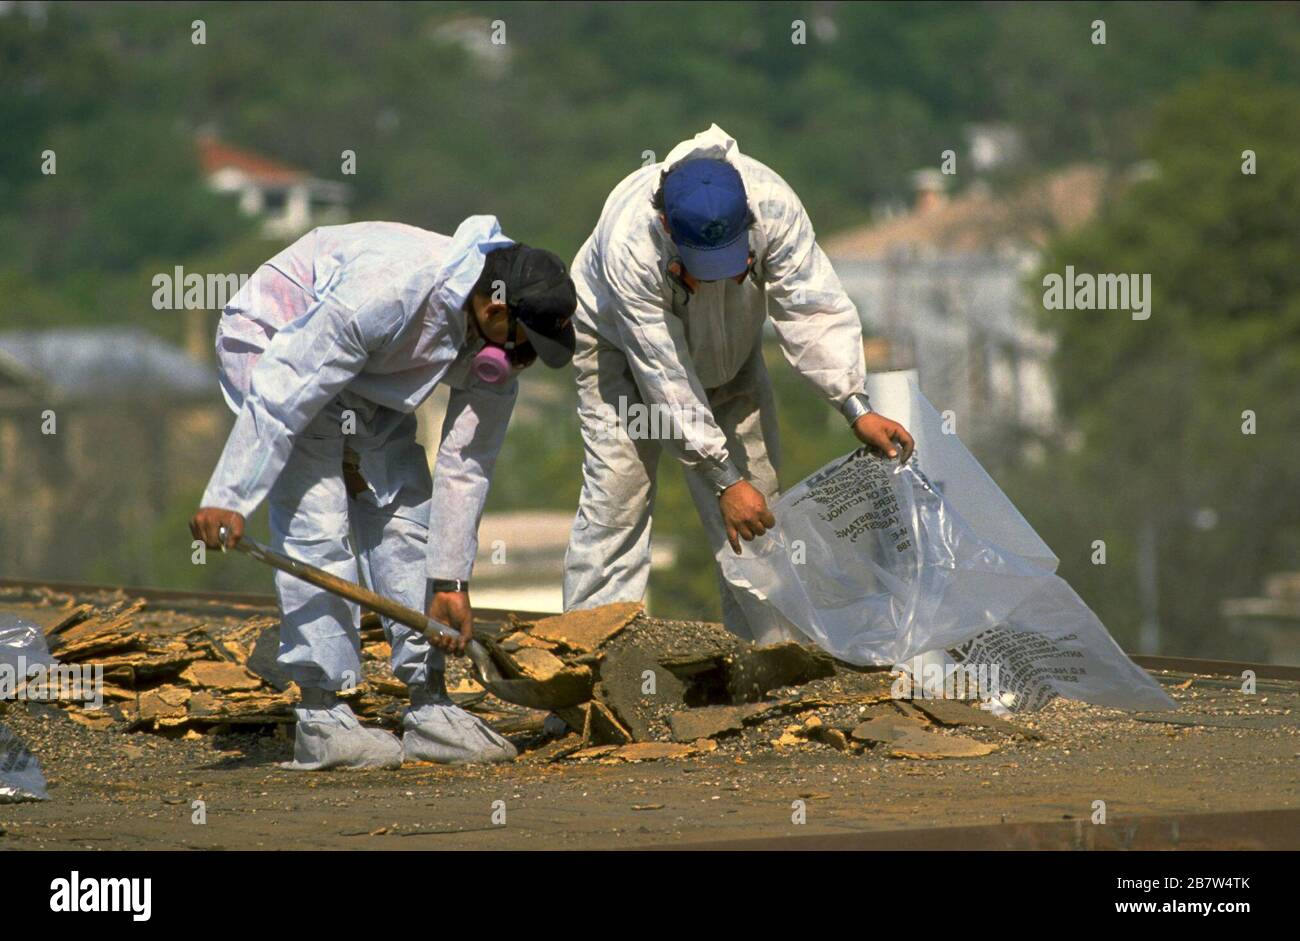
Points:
[(438, 731), (328, 735)]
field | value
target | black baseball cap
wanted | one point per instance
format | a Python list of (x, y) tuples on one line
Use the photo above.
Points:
[(541, 295)]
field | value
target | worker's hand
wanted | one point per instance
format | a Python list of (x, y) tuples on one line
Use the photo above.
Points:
[(207, 522), (452, 608), (881, 435), (744, 513)]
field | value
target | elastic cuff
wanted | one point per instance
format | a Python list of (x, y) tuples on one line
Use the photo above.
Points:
[(719, 474), (855, 406)]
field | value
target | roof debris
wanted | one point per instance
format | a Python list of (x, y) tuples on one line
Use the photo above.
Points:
[(628, 687), (586, 630), (666, 689)]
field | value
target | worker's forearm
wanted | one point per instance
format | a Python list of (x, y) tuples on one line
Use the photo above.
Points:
[(817, 324), (252, 459), (454, 516), (474, 430), (701, 446)]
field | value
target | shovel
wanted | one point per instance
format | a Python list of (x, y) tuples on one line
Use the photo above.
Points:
[(521, 692)]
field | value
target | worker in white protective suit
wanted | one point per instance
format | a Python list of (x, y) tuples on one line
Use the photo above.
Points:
[(324, 356), (688, 260)]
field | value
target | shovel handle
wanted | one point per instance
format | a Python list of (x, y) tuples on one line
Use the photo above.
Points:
[(342, 587)]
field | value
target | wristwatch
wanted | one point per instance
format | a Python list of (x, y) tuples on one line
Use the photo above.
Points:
[(855, 406), (449, 584)]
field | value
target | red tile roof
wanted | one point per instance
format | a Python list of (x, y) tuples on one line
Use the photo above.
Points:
[(215, 155), (977, 220)]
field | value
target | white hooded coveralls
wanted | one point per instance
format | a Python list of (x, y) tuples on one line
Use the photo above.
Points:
[(697, 358), (334, 342)]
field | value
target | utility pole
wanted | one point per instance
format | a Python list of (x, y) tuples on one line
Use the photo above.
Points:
[(1148, 588)]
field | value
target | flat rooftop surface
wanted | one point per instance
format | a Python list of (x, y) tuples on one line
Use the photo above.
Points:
[(1223, 754)]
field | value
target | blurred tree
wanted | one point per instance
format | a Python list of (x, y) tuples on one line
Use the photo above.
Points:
[(1160, 404)]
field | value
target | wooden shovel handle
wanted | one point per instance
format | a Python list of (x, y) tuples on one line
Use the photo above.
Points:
[(344, 589)]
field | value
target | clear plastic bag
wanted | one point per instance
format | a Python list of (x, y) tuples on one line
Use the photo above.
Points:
[(22, 644), (875, 565), (20, 638), (20, 773)]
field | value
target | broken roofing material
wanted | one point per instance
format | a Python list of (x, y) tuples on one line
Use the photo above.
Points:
[(877, 564), (650, 689), (672, 689), (159, 669)]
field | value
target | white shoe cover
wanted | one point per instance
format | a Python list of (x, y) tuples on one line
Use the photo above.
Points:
[(328, 735), (449, 735)]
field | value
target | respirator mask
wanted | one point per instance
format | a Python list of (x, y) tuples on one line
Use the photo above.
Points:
[(540, 299), (497, 363)]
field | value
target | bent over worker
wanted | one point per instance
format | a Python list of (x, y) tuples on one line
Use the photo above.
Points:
[(688, 260), (324, 356)]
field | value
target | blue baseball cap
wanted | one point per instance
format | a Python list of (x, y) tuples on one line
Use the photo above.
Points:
[(708, 218)]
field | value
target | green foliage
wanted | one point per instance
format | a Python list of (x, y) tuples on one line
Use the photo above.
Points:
[(118, 92), (162, 554), (1159, 403)]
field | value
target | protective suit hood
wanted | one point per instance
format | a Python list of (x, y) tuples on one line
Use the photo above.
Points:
[(713, 144), (473, 239)]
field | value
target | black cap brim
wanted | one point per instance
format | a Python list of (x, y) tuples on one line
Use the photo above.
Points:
[(555, 351)]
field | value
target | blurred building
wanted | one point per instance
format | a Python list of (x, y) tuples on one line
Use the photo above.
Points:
[(941, 287), (994, 147), (100, 430), (288, 200), (1267, 628), (520, 564), (482, 39)]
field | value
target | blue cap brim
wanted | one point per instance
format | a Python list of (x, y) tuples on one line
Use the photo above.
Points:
[(717, 264)]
